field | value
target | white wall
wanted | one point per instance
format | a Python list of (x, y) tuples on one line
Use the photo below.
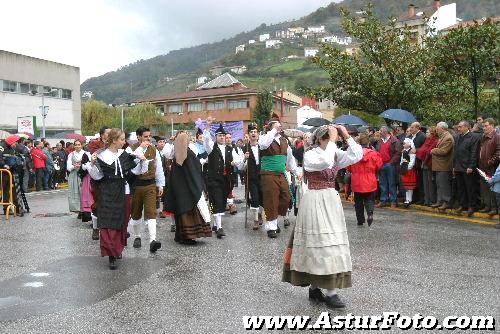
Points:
[(60, 115), (63, 114), (444, 17)]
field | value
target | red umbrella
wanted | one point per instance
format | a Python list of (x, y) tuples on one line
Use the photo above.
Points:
[(76, 136), (26, 135)]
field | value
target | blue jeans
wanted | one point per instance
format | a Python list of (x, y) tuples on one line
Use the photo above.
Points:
[(46, 177), (387, 180)]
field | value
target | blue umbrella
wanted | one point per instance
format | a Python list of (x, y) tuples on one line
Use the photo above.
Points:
[(398, 115), (349, 120)]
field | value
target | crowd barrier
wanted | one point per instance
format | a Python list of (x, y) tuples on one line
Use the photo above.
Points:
[(7, 188)]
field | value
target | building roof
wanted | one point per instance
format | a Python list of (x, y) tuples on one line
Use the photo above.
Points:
[(195, 94), (223, 80), (418, 13)]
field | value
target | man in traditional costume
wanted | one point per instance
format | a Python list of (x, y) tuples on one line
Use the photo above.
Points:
[(231, 207), (219, 170), (275, 156), (185, 198), (146, 187), (252, 165), (318, 252)]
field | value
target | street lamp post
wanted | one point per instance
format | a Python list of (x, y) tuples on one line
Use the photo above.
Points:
[(43, 110)]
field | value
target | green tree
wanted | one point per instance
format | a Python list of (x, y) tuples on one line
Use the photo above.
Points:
[(262, 111), (388, 71), (469, 57)]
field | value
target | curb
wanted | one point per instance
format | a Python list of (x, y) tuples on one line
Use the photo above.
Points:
[(477, 217)]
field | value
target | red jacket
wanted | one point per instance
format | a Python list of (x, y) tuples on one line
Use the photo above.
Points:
[(424, 152), (364, 172), (38, 158)]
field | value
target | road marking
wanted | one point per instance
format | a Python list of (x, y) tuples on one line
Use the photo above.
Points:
[(33, 284), (40, 274)]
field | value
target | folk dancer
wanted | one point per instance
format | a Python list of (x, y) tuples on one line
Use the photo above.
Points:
[(185, 196), (219, 170), (276, 156), (318, 253), (94, 146), (252, 163), (112, 167), (146, 187)]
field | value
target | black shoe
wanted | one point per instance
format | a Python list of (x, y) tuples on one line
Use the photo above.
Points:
[(95, 234), (112, 263), (278, 230), (119, 257), (220, 233), (137, 243), (360, 224), (214, 228), (154, 246), (316, 295), (272, 234), (188, 242), (79, 215), (286, 222), (172, 228), (406, 205), (369, 220), (334, 301), (128, 235)]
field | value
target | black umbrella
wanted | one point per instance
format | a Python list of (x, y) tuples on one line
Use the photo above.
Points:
[(316, 122)]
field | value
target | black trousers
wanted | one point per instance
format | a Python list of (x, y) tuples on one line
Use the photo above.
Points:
[(39, 178), (254, 193), (467, 189), (363, 201)]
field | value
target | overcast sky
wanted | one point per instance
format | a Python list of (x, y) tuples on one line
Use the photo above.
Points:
[(101, 35)]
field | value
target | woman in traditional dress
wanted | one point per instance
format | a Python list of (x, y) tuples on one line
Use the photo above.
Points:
[(408, 174), (86, 199), (185, 196), (73, 165), (112, 167), (318, 252)]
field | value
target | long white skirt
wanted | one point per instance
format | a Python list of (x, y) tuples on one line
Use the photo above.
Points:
[(320, 244)]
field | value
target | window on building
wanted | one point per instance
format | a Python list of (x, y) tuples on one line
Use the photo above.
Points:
[(196, 106), (66, 94), (9, 86), (237, 104), (215, 105), (175, 108), (160, 109), (24, 87)]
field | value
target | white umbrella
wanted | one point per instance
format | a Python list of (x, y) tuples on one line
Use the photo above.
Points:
[(4, 134)]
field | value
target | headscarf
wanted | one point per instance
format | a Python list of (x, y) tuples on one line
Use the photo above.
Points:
[(316, 136), (409, 141), (181, 144)]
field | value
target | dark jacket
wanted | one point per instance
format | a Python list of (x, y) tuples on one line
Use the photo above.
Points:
[(419, 139), (489, 154), (466, 152)]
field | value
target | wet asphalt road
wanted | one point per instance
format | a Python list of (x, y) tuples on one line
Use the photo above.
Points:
[(52, 279)]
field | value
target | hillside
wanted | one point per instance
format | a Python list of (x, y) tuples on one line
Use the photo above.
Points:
[(178, 70)]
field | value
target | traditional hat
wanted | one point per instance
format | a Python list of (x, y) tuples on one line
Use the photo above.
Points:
[(12, 139), (198, 132), (274, 118), (220, 130), (252, 126), (158, 138)]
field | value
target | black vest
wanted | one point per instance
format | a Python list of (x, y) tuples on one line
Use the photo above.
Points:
[(253, 168), (216, 167)]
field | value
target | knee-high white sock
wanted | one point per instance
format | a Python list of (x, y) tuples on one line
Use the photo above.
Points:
[(271, 225), (264, 217), (136, 227), (94, 221), (218, 220), (409, 195), (152, 229), (330, 293)]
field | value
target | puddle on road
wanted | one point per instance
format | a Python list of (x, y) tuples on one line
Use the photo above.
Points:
[(70, 283)]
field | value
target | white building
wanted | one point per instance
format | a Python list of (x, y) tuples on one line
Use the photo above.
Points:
[(286, 34), (316, 30), (201, 80), (311, 51), (306, 112), (251, 41), (264, 37), (273, 43), (238, 69), (240, 48), (25, 80), (296, 30), (336, 39)]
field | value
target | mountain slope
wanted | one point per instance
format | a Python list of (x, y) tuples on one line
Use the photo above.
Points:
[(177, 70)]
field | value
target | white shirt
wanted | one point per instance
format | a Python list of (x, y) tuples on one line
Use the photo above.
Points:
[(159, 176), (317, 159), (110, 157), (76, 157), (209, 143), (266, 140)]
